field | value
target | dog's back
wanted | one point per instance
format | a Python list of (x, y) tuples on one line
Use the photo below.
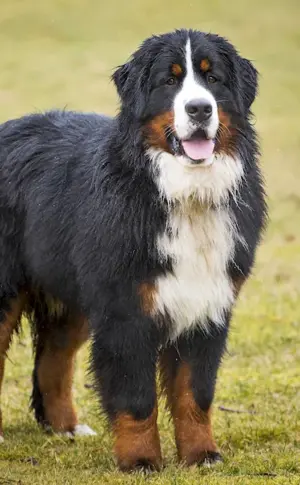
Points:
[(32, 145), (46, 161)]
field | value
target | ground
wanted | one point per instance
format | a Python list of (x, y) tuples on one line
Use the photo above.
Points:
[(57, 53)]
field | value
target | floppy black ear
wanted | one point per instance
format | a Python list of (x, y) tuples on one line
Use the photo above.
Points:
[(249, 82), (242, 72), (120, 77), (131, 86)]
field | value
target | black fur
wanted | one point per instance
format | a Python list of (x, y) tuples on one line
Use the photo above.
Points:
[(47, 328), (80, 213)]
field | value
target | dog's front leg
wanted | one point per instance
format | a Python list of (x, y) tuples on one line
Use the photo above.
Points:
[(124, 356), (189, 370)]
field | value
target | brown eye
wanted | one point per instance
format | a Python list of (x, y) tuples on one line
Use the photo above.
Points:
[(171, 81), (211, 79)]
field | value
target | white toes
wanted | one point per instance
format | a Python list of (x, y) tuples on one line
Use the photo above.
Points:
[(84, 430), (79, 430)]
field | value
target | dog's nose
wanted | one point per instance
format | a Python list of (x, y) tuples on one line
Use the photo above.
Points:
[(199, 109)]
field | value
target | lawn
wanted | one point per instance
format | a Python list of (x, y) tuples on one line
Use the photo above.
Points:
[(60, 53)]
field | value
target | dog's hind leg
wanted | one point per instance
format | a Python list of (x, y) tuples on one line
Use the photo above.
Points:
[(10, 313), (58, 337)]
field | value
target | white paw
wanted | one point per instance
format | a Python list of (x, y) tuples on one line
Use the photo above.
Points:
[(80, 430), (84, 430), (1, 439)]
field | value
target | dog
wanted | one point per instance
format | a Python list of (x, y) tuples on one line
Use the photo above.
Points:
[(138, 231)]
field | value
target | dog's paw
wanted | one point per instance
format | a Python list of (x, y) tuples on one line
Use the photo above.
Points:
[(84, 430), (211, 458), (201, 458), (79, 430), (145, 465)]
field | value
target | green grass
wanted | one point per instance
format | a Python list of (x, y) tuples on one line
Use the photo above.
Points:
[(61, 53)]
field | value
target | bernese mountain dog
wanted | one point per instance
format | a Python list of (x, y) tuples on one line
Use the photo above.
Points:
[(138, 231)]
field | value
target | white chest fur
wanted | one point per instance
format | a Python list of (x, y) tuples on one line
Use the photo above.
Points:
[(199, 289)]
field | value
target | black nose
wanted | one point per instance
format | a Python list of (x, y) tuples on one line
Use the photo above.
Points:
[(199, 109)]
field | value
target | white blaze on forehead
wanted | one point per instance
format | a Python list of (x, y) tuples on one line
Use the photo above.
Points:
[(192, 89)]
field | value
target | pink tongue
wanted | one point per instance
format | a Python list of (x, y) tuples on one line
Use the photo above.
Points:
[(198, 149)]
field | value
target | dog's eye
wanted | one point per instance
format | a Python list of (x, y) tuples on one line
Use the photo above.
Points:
[(211, 79), (170, 81)]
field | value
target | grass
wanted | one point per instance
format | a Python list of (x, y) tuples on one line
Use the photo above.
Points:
[(60, 53)]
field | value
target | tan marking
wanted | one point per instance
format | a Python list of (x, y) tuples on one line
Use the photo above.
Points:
[(205, 65), (193, 431), (155, 130), (238, 283), (137, 442), (176, 70), (147, 293), (7, 326), (225, 141), (224, 118), (55, 376)]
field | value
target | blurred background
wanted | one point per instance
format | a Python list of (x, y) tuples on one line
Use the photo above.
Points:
[(60, 54)]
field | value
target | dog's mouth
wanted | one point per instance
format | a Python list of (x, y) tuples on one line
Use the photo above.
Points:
[(197, 148)]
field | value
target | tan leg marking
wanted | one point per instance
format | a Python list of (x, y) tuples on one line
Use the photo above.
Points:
[(55, 376), (193, 430), (137, 442)]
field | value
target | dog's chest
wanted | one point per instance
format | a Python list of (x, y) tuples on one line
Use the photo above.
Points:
[(199, 288)]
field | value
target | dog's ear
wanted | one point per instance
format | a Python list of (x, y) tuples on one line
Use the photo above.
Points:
[(120, 78), (131, 86), (249, 82), (242, 74)]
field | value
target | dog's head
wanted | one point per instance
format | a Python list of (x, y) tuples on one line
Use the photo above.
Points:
[(191, 92)]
